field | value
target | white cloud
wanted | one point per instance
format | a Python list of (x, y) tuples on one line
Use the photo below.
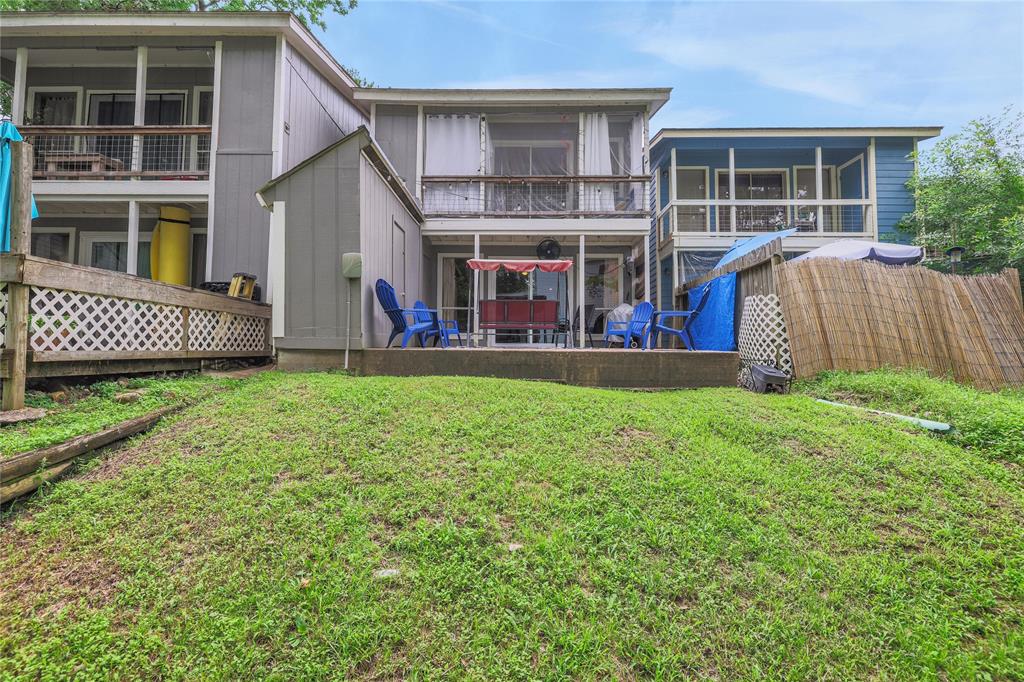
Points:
[(583, 78), (488, 21)]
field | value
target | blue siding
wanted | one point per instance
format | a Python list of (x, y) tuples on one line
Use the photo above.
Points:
[(652, 251), (664, 300), (894, 166)]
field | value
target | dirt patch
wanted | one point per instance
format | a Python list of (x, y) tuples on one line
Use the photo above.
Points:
[(144, 450)]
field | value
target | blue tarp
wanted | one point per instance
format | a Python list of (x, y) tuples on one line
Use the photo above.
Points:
[(714, 329), (8, 134), (742, 247)]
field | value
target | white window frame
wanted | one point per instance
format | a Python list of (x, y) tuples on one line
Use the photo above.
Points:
[(785, 187), (105, 91), (30, 99), (550, 144), (707, 192), (194, 145), (69, 231), (824, 167), (88, 238)]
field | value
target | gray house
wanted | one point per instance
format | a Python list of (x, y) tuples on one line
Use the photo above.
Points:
[(132, 113)]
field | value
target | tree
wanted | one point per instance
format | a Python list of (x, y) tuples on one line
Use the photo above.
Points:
[(309, 12), (969, 192)]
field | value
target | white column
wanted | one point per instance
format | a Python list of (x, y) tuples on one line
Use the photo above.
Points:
[(819, 188), (218, 51), (476, 293), (276, 271), (141, 66), (420, 144), (673, 194), (373, 119), (652, 267), (732, 190), (133, 237), (872, 226), (581, 293), (20, 86)]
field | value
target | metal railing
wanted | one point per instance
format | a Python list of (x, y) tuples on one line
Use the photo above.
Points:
[(119, 152), (740, 216), (534, 196)]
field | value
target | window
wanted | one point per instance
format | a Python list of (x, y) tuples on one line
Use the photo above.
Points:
[(109, 251), (55, 243), (531, 159), (762, 185), (54, 108), (692, 183), (160, 152)]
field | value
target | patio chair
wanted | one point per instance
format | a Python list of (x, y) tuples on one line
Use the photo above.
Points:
[(662, 316), (421, 320), (639, 326), (571, 329)]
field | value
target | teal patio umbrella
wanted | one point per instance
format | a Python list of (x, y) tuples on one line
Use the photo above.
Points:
[(8, 134)]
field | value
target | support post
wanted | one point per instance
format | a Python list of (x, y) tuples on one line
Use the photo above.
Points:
[(476, 293), (133, 237), (872, 190), (651, 267), (16, 331), (672, 196), (141, 66), (581, 292), (819, 189), (276, 276), (732, 190), (420, 125), (218, 57), (20, 86)]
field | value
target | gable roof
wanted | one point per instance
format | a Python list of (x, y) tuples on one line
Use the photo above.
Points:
[(376, 157)]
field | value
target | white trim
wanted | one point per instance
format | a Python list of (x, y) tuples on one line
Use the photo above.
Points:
[(653, 98), (218, 56), (276, 274), (581, 290), (133, 238), (707, 193), (373, 119), (732, 191), (71, 232), (889, 131), (440, 256), (277, 134), (20, 81), (872, 229), (625, 227), (30, 99), (671, 196), (194, 119), (420, 148), (122, 190)]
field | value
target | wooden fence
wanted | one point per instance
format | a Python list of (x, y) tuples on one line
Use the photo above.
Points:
[(58, 319), (860, 315)]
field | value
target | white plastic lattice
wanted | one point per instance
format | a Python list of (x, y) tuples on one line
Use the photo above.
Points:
[(3, 313), (65, 320), (211, 330), (763, 339)]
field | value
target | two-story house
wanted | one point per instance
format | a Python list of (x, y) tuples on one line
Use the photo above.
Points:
[(130, 114), (715, 185), (442, 176)]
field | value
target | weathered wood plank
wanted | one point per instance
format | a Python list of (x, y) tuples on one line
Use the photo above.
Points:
[(12, 266), (26, 463), (42, 272), (27, 484), (102, 355), (16, 330), (38, 370)]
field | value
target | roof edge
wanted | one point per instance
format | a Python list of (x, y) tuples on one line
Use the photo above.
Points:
[(923, 132)]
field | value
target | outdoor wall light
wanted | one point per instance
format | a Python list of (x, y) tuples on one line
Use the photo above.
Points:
[(955, 253)]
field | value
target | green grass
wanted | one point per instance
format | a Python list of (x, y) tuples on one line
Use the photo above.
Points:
[(711, 533), (989, 423), (99, 410)]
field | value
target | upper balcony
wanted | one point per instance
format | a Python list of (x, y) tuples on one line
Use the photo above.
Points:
[(108, 109)]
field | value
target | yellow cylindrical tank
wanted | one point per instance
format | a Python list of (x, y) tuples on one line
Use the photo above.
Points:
[(169, 250)]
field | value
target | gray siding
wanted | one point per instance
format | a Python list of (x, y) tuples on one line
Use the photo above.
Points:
[(241, 229), (395, 132), (316, 113), (380, 210)]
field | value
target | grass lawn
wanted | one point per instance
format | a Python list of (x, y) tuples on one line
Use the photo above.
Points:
[(319, 526)]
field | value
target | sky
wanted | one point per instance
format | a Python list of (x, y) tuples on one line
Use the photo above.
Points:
[(729, 64)]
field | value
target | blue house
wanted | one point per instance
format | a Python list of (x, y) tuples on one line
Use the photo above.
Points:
[(712, 186)]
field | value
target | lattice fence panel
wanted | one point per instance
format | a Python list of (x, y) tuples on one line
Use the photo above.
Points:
[(763, 339), (210, 330), (63, 320), (3, 313)]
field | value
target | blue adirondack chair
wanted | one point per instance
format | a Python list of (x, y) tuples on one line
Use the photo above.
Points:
[(639, 326), (662, 316), (424, 328)]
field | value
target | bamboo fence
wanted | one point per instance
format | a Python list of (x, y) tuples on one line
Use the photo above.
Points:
[(861, 315)]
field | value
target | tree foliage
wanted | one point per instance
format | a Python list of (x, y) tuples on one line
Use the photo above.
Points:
[(970, 192), (310, 12)]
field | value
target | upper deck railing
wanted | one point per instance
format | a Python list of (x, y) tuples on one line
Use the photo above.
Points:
[(119, 152), (537, 196)]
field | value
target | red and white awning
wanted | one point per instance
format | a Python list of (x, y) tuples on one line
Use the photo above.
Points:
[(523, 265)]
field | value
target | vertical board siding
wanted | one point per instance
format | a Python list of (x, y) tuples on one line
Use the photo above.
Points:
[(316, 114), (395, 132), (241, 229), (894, 166), (379, 210)]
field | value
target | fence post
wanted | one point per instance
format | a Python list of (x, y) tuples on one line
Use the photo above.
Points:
[(16, 337)]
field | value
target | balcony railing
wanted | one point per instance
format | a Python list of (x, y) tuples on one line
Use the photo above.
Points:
[(535, 196), (119, 152), (747, 216)]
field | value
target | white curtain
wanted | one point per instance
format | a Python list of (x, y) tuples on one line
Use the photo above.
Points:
[(452, 149), (597, 160), (636, 163)]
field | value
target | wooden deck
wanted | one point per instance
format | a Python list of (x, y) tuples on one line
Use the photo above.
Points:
[(612, 368)]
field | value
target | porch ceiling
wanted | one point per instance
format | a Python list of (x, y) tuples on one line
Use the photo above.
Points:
[(55, 209), (530, 240)]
